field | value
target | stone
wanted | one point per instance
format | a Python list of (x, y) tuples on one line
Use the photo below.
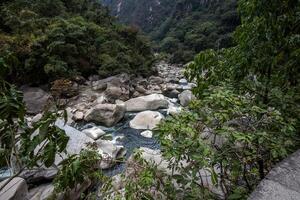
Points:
[(94, 133), (186, 97), (146, 120), (41, 192), (147, 134), (78, 116), (16, 189), (35, 99), (100, 100), (173, 110), (109, 152), (183, 82), (113, 93), (282, 182), (150, 102), (37, 176), (106, 114), (171, 93), (37, 118), (77, 140), (156, 80), (140, 89)]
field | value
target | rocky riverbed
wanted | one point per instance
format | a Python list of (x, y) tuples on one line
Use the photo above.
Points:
[(118, 114)]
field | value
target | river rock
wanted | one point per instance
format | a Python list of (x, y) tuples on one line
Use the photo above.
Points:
[(150, 102), (140, 89), (147, 134), (35, 99), (106, 114), (186, 97), (16, 189), (37, 176), (146, 120), (78, 116), (156, 80), (109, 152), (113, 93), (171, 93), (183, 82), (173, 110), (94, 133), (41, 192), (77, 140)]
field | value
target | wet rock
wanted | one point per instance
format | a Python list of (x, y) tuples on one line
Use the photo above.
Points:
[(147, 134), (16, 189), (106, 114), (94, 133), (150, 102), (186, 97), (35, 99), (146, 120), (109, 152)]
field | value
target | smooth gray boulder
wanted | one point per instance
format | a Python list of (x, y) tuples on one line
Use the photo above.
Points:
[(146, 120), (16, 189), (282, 183), (149, 102), (186, 97), (35, 99), (106, 114)]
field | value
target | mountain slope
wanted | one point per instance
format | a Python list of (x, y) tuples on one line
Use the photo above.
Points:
[(181, 27), (43, 40)]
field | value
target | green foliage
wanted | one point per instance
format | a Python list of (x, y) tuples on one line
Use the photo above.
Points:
[(77, 170), (181, 28), (227, 132), (59, 39), (31, 146)]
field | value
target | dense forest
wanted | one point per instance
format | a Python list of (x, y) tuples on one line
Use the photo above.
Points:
[(138, 127), (181, 28), (44, 40)]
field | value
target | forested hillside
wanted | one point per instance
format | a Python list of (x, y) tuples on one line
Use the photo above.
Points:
[(83, 117), (42, 40), (183, 27)]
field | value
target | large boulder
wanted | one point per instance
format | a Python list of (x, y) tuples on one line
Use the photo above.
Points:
[(146, 120), (118, 80), (149, 102), (35, 99), (186, 97), (77, 140), (114, 92), (38, 176), (110, 152), (41, 192), (106, 114), (16, 189)]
